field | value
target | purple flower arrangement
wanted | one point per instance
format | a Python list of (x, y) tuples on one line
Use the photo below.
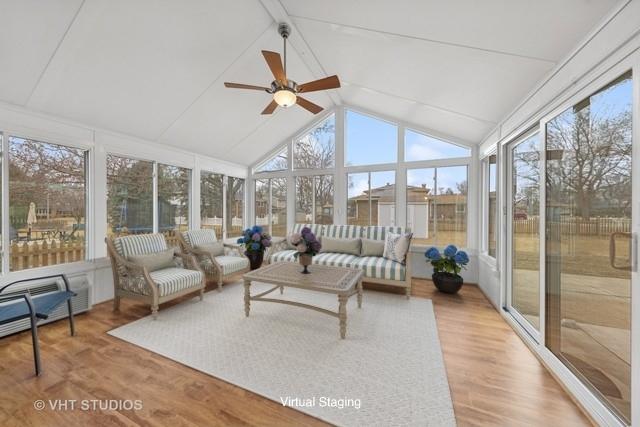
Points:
[(254, 239), (305, 242)]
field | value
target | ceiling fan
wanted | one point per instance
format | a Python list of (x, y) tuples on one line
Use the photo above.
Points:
[(286, 92)]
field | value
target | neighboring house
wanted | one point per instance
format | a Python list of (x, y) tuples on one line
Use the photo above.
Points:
[(421, 205)]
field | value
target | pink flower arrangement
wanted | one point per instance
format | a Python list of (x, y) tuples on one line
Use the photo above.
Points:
[(305, 242)]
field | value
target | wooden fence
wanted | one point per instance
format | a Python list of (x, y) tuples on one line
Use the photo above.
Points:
[(33, 254), (576, 226)]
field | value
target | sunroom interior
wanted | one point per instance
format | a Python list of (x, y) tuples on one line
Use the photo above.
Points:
[(506, 130)]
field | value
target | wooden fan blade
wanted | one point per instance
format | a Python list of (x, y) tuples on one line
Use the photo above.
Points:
[(243, 86), (330, 82), (275, 65), (308, 105), (270, 108)]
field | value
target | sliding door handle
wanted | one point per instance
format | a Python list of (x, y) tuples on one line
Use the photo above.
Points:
[(633, 251)]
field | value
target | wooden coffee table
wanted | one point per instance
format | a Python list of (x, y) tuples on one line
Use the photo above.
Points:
[(340, 281)]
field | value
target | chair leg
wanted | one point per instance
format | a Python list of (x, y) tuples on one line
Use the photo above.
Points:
[(72, 325), (220, 283), (116, 304), (201, 294), (154, 312), (407, 291), (36, 345)]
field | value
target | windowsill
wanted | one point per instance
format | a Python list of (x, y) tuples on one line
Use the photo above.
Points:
[(69, 269), (422, 247)]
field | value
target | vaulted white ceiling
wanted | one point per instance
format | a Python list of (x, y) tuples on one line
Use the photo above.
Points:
[(155, 69)]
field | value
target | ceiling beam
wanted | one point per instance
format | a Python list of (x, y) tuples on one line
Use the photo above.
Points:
[(279, 14)]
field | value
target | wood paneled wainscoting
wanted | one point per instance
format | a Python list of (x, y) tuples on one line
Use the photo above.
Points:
[(495, 380)]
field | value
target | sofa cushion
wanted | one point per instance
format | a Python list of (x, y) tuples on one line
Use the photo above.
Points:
[(375, 232), (380, 268), (341, 246), (334, 259), (199, 237), (214, 248), (370, 247), (342, 231), (172, 280), (155, 261)]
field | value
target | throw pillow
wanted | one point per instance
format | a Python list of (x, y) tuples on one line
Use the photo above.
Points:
[(396, 246), (215, 248), (340, 246), (155, 261), (371, 247)]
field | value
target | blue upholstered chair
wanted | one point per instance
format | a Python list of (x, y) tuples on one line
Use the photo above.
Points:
[(20, 305)]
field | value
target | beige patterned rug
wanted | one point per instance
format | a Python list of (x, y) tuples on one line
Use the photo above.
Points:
[(389, 370)]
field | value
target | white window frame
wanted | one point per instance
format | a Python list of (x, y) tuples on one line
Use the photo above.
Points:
[(340, 171), (88, 149)]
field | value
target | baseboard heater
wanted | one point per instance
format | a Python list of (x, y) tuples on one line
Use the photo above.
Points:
[(80, 303)]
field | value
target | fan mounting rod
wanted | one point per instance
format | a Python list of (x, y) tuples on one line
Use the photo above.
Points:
[(284, 30)]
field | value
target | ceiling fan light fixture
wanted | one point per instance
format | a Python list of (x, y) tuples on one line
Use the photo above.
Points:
[(284, 97)]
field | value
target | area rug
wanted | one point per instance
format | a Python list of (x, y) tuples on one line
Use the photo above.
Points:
[(388, 371)]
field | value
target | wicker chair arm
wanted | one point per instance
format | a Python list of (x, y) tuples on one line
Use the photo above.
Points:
[(136, 271)]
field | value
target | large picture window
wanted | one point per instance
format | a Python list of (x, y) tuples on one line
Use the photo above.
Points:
[(271, 205), (235, 206), (129, 196), (371, 198), (212, 202), (317, 148), (437, 205), (173, 200), (314, 199), (418, 146), (369, 141), (278, 162), (47, 203)]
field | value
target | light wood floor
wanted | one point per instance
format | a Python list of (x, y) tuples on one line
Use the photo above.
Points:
[(495, 380)]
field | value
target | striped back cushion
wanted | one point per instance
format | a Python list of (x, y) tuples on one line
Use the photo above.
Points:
[(140, 244), (379, 232), (199, 237), (315, 228), (342, 231)]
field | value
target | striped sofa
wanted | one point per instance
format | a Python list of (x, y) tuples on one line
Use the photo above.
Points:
[(135, 281), (215, 267), (376, 269)]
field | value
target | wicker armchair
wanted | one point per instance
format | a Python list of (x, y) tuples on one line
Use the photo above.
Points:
[(131, 280), (218, 267)]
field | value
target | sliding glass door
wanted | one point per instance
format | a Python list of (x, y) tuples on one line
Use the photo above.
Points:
[(589, 241), (523, 210)]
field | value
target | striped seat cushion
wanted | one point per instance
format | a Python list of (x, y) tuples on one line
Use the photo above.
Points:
[(232, 264), (286, 255), (342, 231), (380, 268), (199, 237), (334, 259), (375, 232), (140, 244), (172, 280)]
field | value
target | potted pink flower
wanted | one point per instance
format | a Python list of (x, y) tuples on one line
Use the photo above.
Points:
[(307, 245)]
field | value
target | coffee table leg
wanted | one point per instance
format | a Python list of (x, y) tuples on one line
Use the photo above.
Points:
[(360, 294), (281, 290), (247, 296), (342, 314)]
